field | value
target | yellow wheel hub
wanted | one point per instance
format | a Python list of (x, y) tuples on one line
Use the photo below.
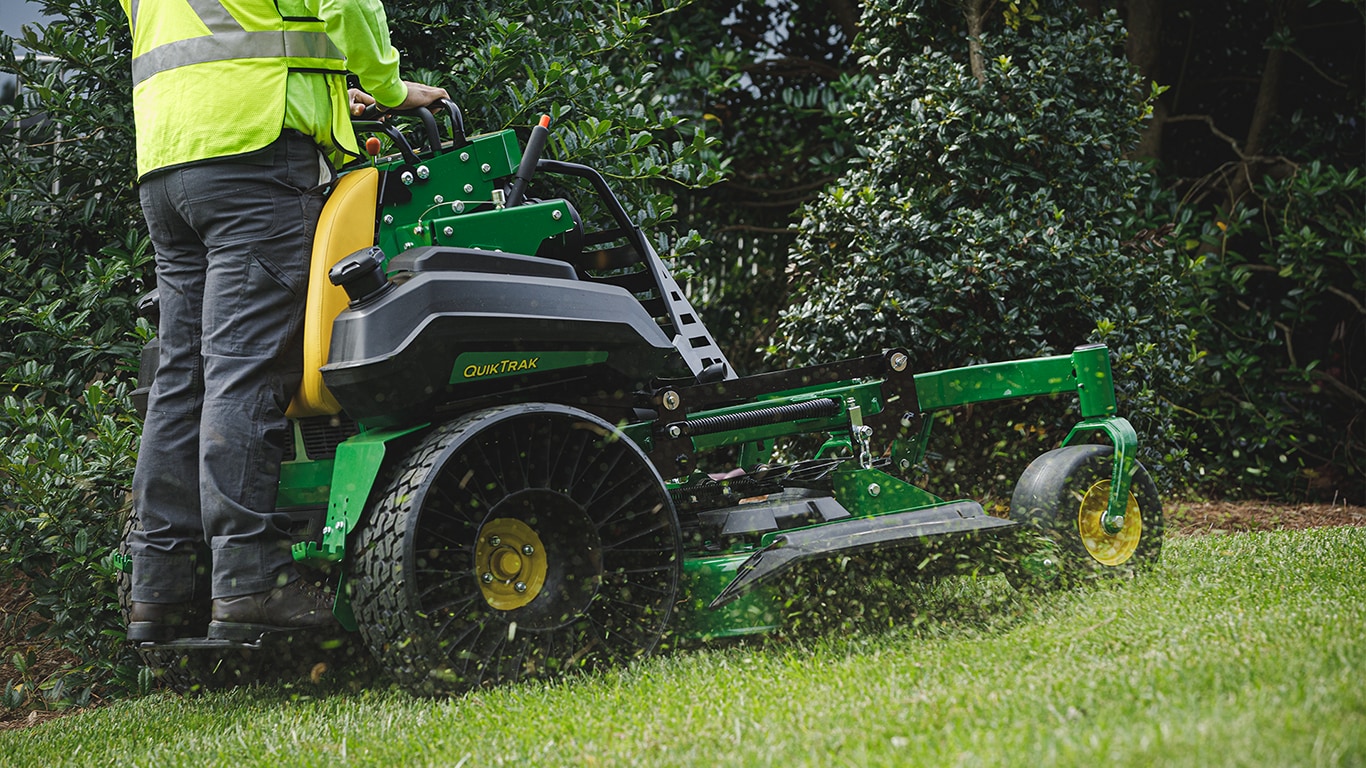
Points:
[(1108, 548), (510, 562)]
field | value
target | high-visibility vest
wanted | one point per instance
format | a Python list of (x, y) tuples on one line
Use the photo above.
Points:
[(209, 77)]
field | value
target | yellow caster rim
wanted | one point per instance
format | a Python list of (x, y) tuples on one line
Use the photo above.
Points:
[(510, 562), (1108, 548)]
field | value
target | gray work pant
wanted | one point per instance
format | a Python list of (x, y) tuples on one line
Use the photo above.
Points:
[(233, 241)]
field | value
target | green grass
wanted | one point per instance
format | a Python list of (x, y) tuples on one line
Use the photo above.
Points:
[(1246, 649)]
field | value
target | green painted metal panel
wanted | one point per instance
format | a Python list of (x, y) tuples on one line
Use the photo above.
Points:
[(445, 184), (869, 492), (703, 579), (513, 230), (304, 483), (355, 470)]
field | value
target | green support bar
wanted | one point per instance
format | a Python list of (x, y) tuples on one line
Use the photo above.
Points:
[(1125, 441), (1086, 372)]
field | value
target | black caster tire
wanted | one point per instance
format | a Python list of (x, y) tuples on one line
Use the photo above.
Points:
[(1062, 496), (525, 541)]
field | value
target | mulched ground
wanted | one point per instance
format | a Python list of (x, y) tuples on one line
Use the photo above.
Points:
[(1205, 517), (1182, 518)]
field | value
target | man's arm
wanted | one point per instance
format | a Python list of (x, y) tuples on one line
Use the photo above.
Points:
[(361, 30)]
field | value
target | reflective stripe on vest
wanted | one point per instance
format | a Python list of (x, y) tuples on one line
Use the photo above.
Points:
[(229, 41)]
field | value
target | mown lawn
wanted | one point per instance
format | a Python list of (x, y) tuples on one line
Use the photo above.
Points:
[(1244, 649)]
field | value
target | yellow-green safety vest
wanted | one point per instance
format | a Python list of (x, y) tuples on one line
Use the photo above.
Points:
[(209, 77)]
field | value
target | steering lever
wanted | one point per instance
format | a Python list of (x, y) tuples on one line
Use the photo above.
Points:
[(532, 155)]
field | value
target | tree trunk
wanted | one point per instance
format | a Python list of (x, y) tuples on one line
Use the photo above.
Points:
[(1144, 23), (1267, 99), (976, 18), (1264, 111)]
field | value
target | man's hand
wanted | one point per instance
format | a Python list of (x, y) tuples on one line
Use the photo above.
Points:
[(359, 101), (420, 95)]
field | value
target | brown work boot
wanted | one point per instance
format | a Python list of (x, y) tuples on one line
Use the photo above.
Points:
[(162, 622), (297, 605)]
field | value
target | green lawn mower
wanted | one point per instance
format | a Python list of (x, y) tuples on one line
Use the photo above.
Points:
[(519, 452)]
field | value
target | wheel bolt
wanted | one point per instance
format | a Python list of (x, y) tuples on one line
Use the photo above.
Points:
[(527, 549), (494, 541), (520, 586), (487, 578)]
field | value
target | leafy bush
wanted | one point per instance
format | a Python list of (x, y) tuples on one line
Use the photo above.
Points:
[(73, 261), (1279, 288), (64, 482), (994, 219)]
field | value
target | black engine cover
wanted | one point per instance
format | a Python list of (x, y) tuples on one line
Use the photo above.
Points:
[(443, 336)]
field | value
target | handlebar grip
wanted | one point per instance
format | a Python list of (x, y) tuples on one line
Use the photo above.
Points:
[(457, 120)]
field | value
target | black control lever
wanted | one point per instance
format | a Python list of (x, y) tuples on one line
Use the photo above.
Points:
[(530, 156)]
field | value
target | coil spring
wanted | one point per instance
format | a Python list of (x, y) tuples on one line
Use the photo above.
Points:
[(707, 425)]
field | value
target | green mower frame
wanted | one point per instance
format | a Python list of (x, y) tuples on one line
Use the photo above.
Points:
[(527, 484)]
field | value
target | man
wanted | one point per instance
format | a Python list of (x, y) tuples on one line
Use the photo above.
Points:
[(236, 104)]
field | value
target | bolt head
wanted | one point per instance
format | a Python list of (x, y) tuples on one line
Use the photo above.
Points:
[(899, 361), (494, 541), (423, 172), (520, 586), (464, 157), (487, 578), (469, 188), (874, 489), (406, 177), (671, 400), (448, 231), (675, 431), (527, 549), (438, 199), (485, 167), (556, 215)]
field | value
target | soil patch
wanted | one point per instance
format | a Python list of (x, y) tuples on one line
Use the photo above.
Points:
[(1206, 517), (19, 624)]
